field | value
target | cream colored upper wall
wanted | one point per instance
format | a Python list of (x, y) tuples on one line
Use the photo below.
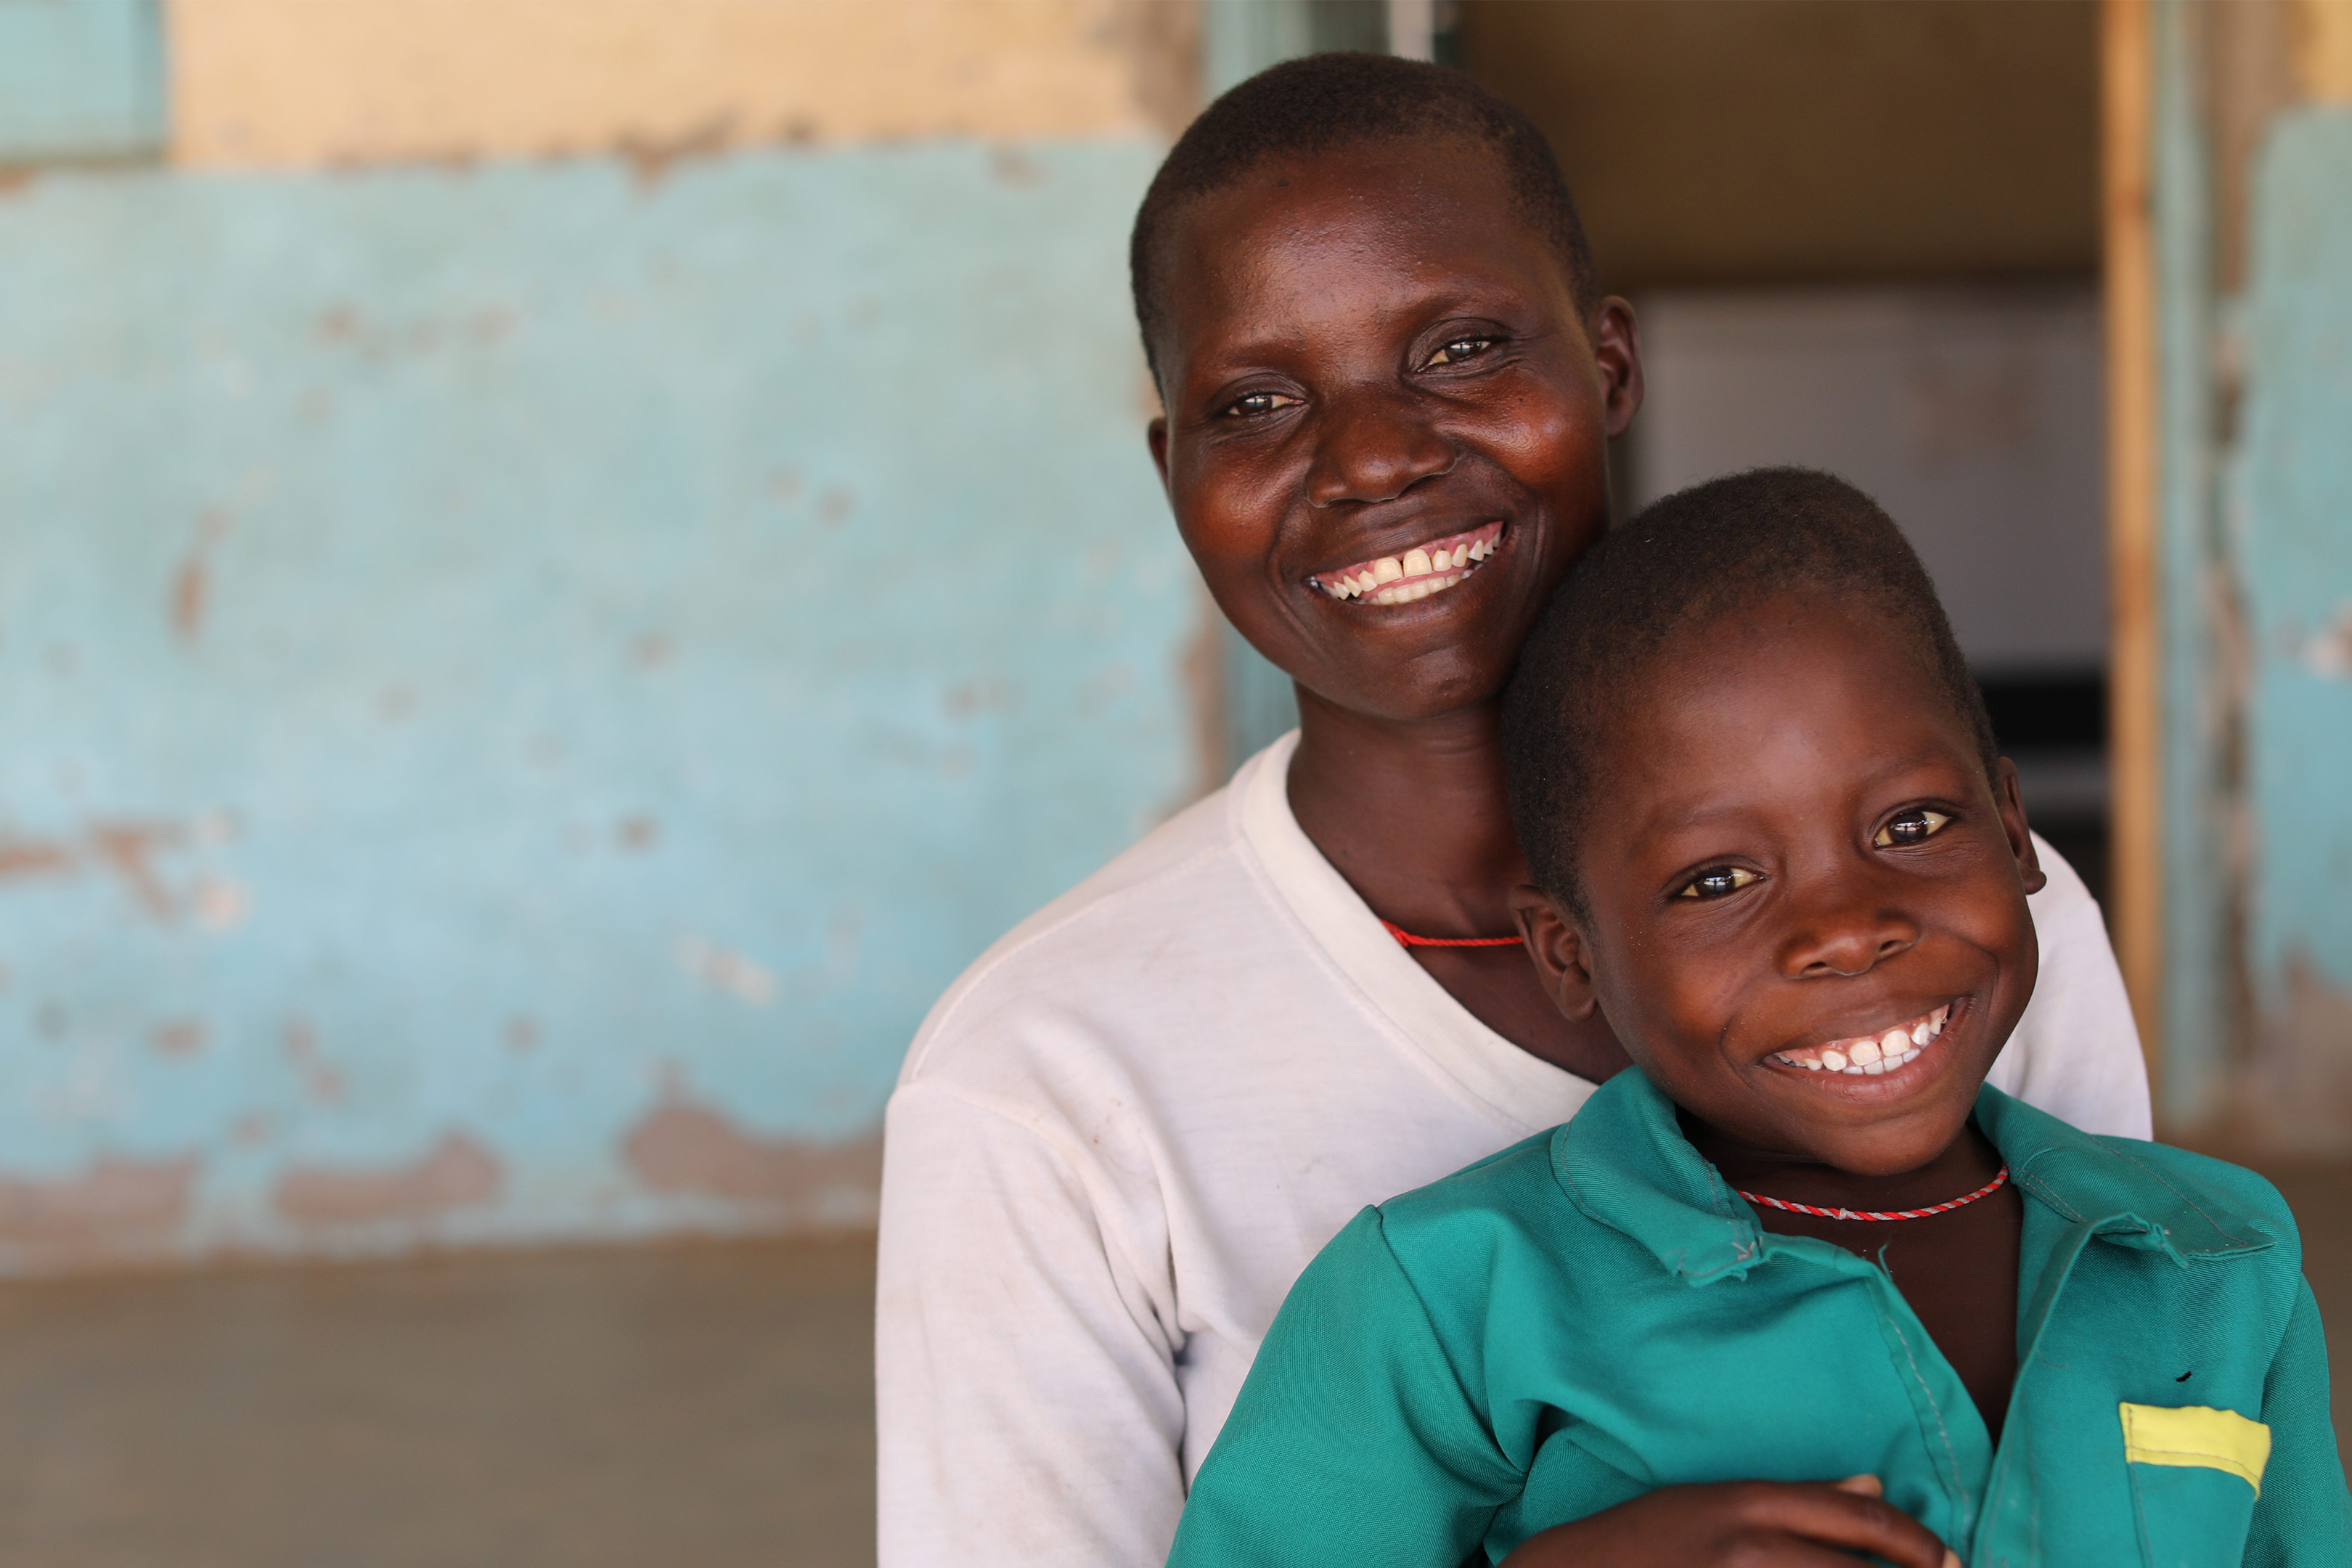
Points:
[(297, 83), (2324, 52)]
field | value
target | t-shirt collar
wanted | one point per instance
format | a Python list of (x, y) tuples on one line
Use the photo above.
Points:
[(1522, 1090)]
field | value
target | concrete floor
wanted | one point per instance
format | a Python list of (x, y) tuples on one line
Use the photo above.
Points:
[(592, 1409), (695, 1404)]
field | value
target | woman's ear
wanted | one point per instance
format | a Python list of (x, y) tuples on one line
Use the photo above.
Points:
[(2011, 804), (1617, 350), (1556, 943)]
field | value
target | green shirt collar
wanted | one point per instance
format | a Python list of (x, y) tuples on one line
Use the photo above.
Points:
[(1625, 1163)]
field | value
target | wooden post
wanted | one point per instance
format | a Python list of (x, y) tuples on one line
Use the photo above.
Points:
[(2134, 698)]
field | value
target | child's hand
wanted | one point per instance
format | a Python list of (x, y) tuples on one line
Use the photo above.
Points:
[(1749, 1524)]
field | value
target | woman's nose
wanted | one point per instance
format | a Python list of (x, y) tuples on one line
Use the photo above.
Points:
[(1374, 447)]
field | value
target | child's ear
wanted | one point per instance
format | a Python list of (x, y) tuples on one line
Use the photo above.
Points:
[(1556, 943), (1157, 434), (2012, 803)]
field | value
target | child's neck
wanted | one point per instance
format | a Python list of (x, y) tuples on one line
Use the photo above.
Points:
[(1966, 1163)]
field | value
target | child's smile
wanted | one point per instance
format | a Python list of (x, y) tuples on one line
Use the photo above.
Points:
[(1870, 1054)]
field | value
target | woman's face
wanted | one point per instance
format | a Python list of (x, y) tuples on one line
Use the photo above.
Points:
[(1387, 420)]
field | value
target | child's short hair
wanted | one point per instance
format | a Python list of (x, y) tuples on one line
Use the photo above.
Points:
[(1690, 556), (1306, 106)]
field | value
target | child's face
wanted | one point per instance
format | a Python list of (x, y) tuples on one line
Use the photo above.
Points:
[(1371, 358), (1794, 852)]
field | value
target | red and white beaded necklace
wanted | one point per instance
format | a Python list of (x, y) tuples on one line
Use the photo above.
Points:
[(1985, 1191)]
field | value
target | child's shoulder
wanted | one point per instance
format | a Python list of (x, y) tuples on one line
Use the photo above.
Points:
[(1507, 1216), (2203, 1206), (1513, 1182), (2199, 1177)]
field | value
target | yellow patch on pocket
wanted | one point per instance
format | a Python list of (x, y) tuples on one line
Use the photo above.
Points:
[(2198, 1436)]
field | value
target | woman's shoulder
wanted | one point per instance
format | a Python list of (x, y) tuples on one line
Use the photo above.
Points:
[(1182, 877)]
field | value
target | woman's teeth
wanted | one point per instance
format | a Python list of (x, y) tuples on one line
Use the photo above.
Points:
[(1423, 569), (1871, 1055)]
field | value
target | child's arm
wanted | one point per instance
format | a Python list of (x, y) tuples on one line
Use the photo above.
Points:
[(1353, 1441), (1356, 1440), (1754, 1524), (2302, 1516)]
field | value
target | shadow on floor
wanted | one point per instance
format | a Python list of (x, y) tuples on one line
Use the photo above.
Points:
[(705, 1404), (591, 1409)]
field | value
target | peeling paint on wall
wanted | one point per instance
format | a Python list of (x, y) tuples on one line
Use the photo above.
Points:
[(487, 647), (458, 1174), (116, 1209), (694, 1149)]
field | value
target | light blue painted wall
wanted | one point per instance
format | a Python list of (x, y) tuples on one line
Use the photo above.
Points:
[(489, 654), (2291, 537), (80, 79)]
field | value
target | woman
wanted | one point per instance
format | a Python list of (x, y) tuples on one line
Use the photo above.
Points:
[(1125, 1131)]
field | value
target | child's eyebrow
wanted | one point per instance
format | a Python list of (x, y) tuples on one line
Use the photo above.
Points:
[(1670, 815)]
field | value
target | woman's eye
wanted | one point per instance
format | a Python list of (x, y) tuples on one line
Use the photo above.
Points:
[(1716, 880), (1255, 402), (1915, 826), (1461, 349)]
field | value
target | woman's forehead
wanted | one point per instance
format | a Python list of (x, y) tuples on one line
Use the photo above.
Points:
[(1338, 238)]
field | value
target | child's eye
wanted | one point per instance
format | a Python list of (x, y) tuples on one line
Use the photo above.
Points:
[(1716, 880), (1255, 402), (1915, 826), (1461, 349)]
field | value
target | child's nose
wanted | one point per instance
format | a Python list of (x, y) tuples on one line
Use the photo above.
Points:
[(1846, 942), (1373, 446)]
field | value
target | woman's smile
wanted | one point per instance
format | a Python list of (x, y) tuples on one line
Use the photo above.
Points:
[(1416, 573)]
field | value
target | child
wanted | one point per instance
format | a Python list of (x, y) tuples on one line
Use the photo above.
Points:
[(1774, 847), (1120, 1137)]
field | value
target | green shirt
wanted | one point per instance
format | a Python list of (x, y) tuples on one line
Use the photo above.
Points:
[(1592, 1314)]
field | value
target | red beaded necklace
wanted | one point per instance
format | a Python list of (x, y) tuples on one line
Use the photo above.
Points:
[(1407, 938), (1985, 1191)]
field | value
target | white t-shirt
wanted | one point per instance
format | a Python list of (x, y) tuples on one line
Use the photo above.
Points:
[(1122, 1133)]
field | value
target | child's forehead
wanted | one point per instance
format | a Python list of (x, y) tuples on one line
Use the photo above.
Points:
[(1805, 675)]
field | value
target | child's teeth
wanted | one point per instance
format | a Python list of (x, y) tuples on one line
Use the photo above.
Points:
[(1874, 1057)]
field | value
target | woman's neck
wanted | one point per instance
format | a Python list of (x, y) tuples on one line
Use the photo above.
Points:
[(1413, 814)]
